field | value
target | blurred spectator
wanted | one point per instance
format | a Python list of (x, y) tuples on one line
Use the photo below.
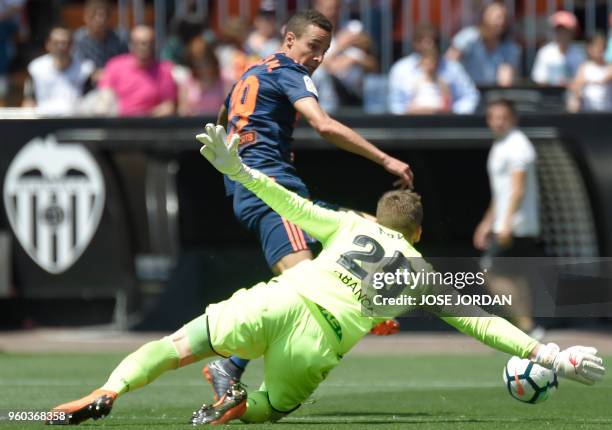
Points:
[(141, 84), (10, 12), (592, 88), (233, 58), (96, 41), (608, 55), (340, 78), (426, 93), (557, 62), (202, 91), (264, 40), (57, 79), (488, 53), (405, 73), (186, 25)]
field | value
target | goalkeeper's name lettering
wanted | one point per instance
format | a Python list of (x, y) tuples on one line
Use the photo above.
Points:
[(413, 279), (444, 300)]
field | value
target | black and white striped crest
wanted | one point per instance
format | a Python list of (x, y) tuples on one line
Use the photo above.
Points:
[(54, 197)]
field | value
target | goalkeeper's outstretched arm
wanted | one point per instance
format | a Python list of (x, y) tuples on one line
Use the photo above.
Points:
[(222, 153), (578, 363)]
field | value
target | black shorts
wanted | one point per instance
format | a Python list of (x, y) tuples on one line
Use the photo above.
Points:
[(507, 260)]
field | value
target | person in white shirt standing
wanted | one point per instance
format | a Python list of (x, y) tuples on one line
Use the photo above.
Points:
[(57, 79), (511, 225), (558, 61), (592, 88)]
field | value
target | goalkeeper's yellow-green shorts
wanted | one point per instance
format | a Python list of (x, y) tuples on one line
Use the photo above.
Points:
[(298, 344)]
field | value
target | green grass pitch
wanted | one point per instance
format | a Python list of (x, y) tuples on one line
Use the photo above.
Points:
[(391, 392)]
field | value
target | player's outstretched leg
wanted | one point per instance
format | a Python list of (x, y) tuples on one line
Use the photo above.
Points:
[(140, 368), (223, 373)]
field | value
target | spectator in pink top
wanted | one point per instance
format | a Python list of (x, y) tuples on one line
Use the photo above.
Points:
[(141, 84)]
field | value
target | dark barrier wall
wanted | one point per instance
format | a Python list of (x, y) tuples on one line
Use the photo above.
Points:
[(166, 222)]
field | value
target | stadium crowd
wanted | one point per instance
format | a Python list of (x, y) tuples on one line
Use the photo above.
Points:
[(95, 70)]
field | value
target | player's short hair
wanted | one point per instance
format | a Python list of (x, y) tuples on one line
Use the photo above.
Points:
[(298, 23), (400, 210), (500, 101)]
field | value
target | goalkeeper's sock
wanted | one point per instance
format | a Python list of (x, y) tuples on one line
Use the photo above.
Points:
[(240, 362), (234, 366), (143, 366)]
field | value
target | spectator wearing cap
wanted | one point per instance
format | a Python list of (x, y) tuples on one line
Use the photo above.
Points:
[(558, 61), (141, 84), (263, 40), (57, 80), (96, 41), (407, 71), (488, 53)]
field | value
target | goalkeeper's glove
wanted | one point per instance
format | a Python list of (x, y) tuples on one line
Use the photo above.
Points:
[(222, 153), (578, 363)]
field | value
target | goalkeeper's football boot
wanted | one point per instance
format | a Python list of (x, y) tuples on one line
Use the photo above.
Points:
[(231, 406), (386, 328), (96, 405), (221, 375)]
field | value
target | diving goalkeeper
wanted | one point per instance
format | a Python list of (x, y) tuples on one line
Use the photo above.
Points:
[(306, 319)]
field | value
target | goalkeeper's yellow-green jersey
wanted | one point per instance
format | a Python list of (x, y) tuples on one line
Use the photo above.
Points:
[(333, 279)]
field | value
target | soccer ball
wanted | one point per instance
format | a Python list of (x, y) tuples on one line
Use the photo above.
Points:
[(529, 382)]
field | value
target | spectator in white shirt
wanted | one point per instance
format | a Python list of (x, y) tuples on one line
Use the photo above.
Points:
[(591, 91), (558, 61), (488, 53), (405, 72), (426, 93), (57, 80)]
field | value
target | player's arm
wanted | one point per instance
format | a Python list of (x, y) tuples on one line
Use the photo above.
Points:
[(471, 320), (344, 138), (578, 363), (495, 332), (319, 222), (222, 115), (484, 228)]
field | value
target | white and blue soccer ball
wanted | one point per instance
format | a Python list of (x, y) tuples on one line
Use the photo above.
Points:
[(529, 382)]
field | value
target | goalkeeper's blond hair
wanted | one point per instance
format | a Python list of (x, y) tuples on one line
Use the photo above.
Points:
[(400, 210)]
